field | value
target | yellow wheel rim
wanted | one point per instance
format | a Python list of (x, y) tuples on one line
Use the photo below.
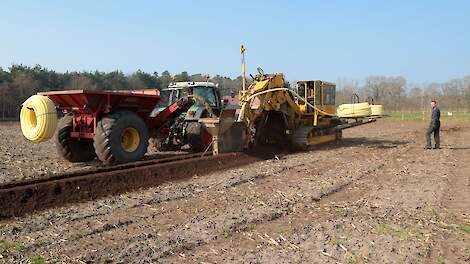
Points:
[(130, 139)]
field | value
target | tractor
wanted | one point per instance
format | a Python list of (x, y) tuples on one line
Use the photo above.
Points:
[(186, 128), (117, 126)]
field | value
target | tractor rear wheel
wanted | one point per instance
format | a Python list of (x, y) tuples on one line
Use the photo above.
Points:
[(198, 137), (121, 137), (72, 149)]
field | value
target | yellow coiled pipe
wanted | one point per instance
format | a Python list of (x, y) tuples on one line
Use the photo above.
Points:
[(376, 110), (38, 118), (354, 110)]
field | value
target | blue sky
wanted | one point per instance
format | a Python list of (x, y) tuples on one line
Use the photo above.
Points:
[(423, 41)]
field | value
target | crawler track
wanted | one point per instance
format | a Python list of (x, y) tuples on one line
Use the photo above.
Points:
[(19, 198)]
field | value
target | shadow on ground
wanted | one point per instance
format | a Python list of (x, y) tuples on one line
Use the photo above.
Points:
[(276, 152), (370, 143)]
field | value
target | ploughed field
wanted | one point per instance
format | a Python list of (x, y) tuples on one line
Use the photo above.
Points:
[(22, 159), (376, 197)]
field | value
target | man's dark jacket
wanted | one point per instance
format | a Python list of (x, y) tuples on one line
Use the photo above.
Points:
[(436, 118)]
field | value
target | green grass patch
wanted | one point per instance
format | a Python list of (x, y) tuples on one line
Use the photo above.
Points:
[(248, 228), (40, 243), (12, 246), (226, 233), (441, 260), (381, 229), (36, 260), (403, 233), (418, 116), (466, 229), (18, 250)]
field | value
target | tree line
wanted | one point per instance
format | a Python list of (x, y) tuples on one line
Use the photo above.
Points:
[(18, 82), (399, 96)]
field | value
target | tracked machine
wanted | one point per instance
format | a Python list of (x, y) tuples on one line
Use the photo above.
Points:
[(294, 117)]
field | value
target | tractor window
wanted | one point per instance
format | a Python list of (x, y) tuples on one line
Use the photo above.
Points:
[(164, 98), (207, 93)]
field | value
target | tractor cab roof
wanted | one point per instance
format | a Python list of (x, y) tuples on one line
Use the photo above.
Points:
[(182, 85)]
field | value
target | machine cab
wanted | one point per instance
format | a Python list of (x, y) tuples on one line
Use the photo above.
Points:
[(319, 93), (204, 91)]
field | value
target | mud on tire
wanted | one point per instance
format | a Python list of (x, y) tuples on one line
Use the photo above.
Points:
[(109, 135), (72, 149)]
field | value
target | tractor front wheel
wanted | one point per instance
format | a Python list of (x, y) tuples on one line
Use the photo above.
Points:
[(121, 137)]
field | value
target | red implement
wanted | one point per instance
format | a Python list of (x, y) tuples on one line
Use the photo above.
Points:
[(105, 101), (89, 106)]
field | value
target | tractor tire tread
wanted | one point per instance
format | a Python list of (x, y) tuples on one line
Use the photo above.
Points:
[(103, 143), (71, 149)]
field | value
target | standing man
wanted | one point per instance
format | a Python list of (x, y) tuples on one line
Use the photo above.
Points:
[(434, 127)]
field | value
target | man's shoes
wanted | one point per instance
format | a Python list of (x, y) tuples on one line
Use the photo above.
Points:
[(427, 147), (437, 147)]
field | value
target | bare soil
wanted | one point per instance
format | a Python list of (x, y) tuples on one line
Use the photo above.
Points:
[(376, 197), (21, 159)]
